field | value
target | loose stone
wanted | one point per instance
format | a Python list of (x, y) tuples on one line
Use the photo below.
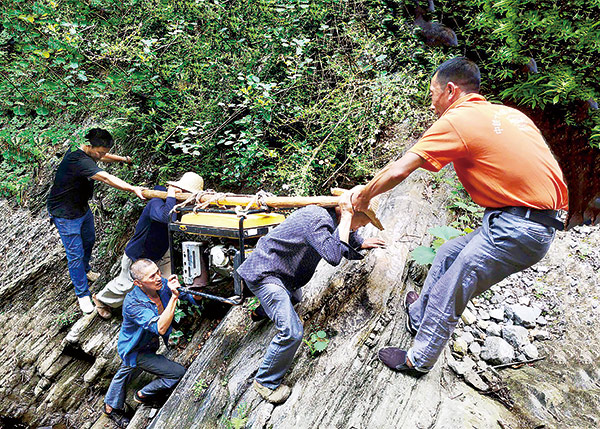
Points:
[(468, 317), (517, 336), (497, 351)]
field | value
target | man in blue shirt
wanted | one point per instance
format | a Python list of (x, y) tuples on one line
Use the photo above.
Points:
[(285, 260), (151, 241), (148, 312)]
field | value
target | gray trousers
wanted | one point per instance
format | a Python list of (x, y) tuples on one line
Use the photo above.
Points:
[(465, 267), (169, 374), (113, 294), (277, 303)]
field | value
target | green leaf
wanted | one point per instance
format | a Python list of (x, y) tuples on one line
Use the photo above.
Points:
[(321, 345), (19, 111), (321, 334), (445, 232), (423, 255), (42, 111)]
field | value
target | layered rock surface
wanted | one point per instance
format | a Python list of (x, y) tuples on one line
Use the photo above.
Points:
[(55, 365)]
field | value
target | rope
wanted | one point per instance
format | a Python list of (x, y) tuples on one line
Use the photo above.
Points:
[(258, 200)]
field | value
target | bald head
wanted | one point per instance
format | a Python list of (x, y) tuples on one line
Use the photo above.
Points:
[(141, 268)]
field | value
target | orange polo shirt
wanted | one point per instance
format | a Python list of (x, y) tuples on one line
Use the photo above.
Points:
[(499, 155)]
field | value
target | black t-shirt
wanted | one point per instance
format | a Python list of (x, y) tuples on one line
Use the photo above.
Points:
[(72, 186)]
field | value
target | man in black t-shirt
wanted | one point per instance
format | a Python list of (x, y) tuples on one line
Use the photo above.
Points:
[(68, 205)]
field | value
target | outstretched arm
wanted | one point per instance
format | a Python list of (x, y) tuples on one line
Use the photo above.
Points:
[(386, 179), (110, 157), (115, 182)]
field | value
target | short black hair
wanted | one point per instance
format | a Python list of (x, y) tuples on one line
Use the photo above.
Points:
[(460, 70), (99, 137)]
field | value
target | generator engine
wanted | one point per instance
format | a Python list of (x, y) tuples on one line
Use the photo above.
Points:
[(217, 242)]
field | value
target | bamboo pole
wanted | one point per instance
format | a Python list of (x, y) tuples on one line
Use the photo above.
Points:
[(243, 200)]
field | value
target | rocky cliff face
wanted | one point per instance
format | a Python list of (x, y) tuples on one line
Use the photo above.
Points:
[(56, 365)]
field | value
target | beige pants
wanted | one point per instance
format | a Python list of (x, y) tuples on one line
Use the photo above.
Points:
[(113, 294)]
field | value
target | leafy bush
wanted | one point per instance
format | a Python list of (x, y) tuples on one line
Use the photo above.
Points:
[(562, 37)]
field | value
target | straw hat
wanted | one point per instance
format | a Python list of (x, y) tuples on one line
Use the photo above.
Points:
[(371, 210), (189, 182)]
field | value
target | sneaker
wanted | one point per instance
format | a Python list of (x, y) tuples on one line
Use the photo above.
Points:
[(92, 276), (409, 299), (277, 396), (102, 309), (118, 417), (396, 359), (85, 303)]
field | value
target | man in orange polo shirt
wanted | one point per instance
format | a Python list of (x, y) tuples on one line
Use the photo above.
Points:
[(503, 162)]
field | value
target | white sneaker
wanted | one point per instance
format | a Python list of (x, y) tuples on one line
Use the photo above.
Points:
[(85, 304)]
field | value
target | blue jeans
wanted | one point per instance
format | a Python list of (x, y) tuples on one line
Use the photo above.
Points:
[(78, 237), (465, 267), (277, 303), (169, 373)]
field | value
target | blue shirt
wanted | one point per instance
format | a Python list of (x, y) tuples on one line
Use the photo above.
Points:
[(139, 331), (290, 253), (151, 239)]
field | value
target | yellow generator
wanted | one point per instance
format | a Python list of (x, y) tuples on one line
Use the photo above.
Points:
[(213, 244)]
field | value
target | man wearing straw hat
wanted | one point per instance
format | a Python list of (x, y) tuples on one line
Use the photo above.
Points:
[(283, 261), (150, 241)]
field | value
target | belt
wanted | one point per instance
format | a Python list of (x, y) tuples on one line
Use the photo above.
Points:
[(544, 217)]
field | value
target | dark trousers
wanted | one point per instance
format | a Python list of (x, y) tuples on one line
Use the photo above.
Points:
[(169, 374)]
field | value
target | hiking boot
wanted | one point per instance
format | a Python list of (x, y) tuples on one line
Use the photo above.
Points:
[(396, 359), (118, 417), (92, 276), (85, 303), (277, 396), (409, 299), (102, 309)]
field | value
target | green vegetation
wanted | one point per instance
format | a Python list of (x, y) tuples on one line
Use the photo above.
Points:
[(317, 342), (424, 255), (292, 96), (239, 420), (198, 388), (66, 318)]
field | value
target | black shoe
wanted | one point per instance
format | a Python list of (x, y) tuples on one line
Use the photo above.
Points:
[(258, 314), (395, 359), (154, 401), (409, 299), (118, 417)]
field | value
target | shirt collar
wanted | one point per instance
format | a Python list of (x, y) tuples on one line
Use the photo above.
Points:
[(139, 295), (473, 96)]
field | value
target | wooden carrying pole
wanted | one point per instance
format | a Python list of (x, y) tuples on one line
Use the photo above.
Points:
[(244, 200)]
